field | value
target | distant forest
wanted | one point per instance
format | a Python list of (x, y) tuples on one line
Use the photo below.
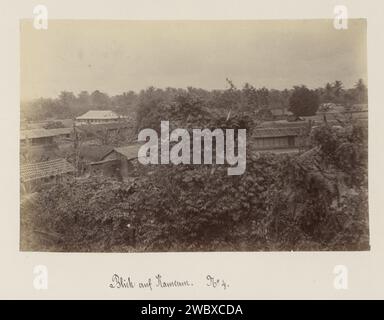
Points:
[(246, 99)]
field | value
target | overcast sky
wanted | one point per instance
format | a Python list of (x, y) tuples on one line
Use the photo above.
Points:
[(118, 56)]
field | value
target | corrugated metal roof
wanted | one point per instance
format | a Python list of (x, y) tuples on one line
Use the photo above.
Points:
[(43, 133), (99, 115), (45, 169), (276, 132), (35, 133), (130, 152), (94, 152)]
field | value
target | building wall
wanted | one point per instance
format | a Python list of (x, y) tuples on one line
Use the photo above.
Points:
[(95, 121), (44, 140), (107, 169), (275, 142), (126, 168), (39, 184), (114, 165), (41, 141)]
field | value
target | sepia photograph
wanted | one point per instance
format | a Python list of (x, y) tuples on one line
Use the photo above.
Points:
[(193, 136)]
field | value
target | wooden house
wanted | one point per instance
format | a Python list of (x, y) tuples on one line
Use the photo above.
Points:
[(278, 138), (98, 117), (117, 163), (39, 137)]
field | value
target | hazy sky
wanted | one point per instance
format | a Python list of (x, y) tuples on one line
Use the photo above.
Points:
[(118, 56)]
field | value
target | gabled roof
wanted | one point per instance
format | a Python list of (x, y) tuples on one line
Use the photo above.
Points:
[(35, 133), (130, 152), (94, 152), (45, 169), (99, 115)]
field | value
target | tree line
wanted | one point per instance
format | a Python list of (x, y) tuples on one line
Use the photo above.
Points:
[(249, 99)]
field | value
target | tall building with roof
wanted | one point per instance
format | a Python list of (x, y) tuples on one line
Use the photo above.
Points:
[(98, 117)]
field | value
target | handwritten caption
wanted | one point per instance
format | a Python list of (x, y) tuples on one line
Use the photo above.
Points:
[(160, 282)]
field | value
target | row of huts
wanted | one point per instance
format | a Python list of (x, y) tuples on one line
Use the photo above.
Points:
[(103, 159)]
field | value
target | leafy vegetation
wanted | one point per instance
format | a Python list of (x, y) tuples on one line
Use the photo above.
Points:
[(314, 201), (247, 99), (303, 102)]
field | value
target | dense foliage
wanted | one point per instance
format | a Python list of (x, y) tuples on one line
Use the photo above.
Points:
[(247, 99), (314, 201), (303, 102)]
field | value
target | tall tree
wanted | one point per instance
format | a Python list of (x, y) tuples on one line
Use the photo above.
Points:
[(361, 92), (65, 104), (263, 95), (100, 100), (328, 93), (337, 88), (303, 102), (250, 99)]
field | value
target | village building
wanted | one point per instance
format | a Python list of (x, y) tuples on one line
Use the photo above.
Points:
[(93, 152), (39, 137), (39, 145), (269, 114), (34, 176), (117, 163), (278, 138), (280, 114), (98, 117)]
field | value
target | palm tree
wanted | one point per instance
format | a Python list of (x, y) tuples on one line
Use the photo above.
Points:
[(337, 87), (360, 91), (328, 93)]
